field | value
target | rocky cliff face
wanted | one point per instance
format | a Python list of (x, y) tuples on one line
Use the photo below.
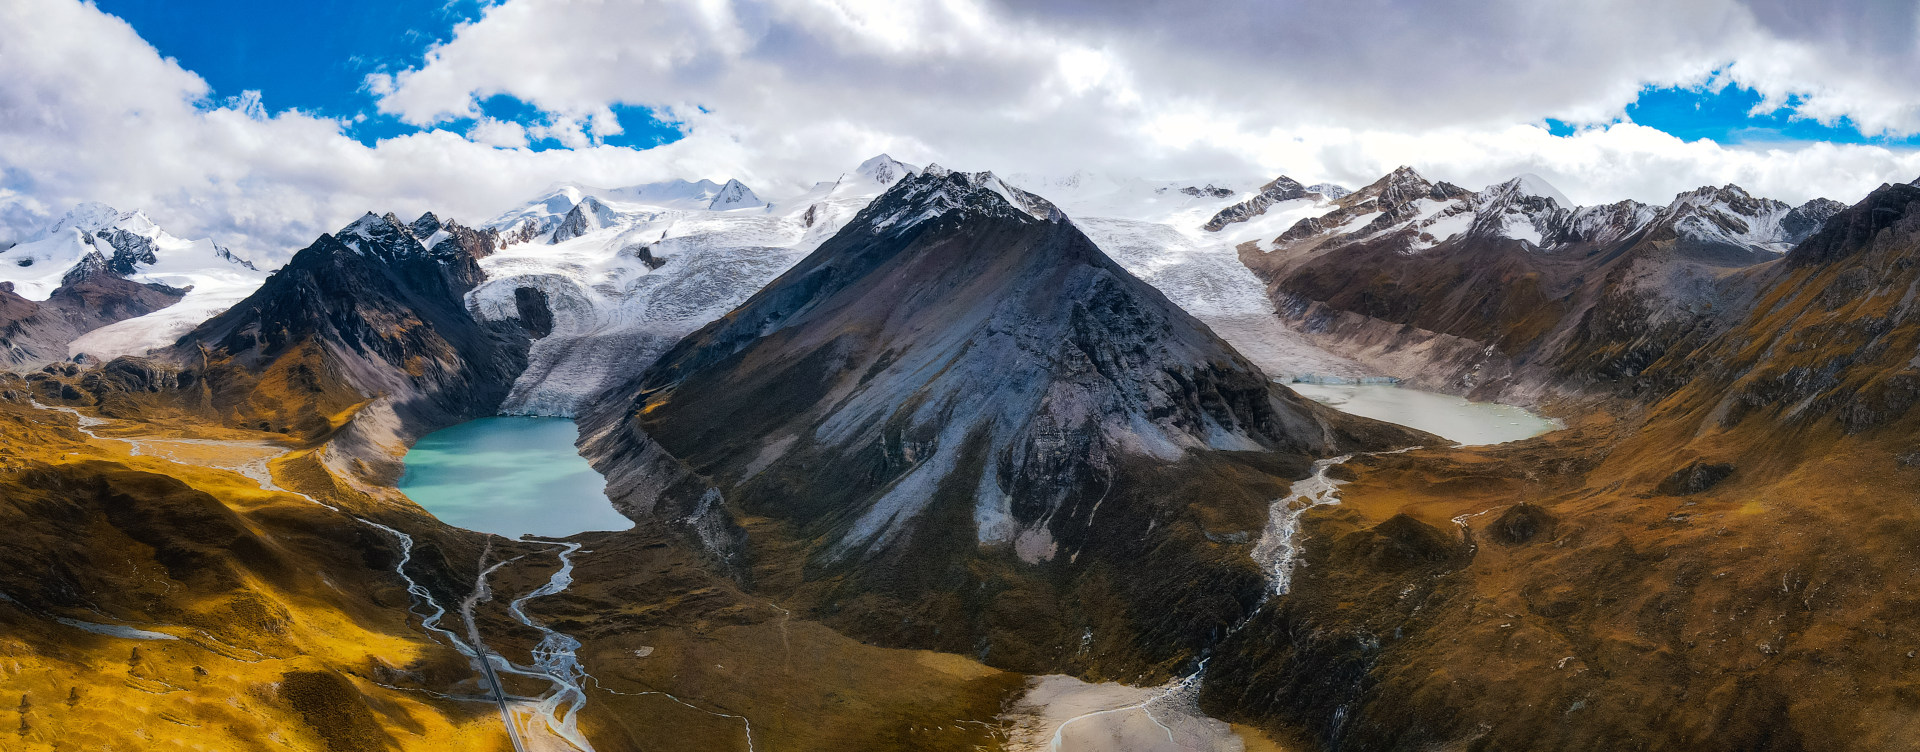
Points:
[(958, 404)]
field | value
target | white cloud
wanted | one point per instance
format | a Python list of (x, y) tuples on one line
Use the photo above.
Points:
[(498, 133), (780, 93), (90, 112)]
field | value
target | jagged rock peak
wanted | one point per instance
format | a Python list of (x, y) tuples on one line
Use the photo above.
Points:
[(1279, 189), (1402, 185), (735, 195), (384, 235), (425, 226), (586, 216), (1729, 194), (1851, 231)]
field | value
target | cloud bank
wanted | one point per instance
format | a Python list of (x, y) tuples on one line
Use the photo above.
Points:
[(780, 93)]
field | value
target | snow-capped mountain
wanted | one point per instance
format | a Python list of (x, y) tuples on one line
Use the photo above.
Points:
[(538, 218), (625, 272), (97, 239), (128, 244), (1460, 289), (373, 311), (1422, 214), (734, 195)]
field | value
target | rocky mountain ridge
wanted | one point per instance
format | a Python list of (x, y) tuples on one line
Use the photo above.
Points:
[(1506, 290)]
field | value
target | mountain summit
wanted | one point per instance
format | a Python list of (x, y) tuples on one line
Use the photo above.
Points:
[(961, 375)]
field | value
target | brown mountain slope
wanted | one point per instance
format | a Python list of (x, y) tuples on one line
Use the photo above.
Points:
[(1726, 568)]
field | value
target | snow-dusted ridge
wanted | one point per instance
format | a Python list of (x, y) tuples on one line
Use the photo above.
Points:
[(1527, 208)]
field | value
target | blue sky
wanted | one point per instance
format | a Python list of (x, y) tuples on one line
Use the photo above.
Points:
[(315, 55), (1726, 117)]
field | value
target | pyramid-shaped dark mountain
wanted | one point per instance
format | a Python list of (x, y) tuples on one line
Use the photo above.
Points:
[(368, 312), (961, 376)]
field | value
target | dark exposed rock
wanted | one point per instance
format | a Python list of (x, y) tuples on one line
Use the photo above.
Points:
[(1521, 524), (1807, 218), (644, 252), (585, 217), (130, 251), (1696, 477), (364, 313), (534, 313), (1280, 189)]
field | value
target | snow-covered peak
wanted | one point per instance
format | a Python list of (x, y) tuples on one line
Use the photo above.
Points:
[(587, 216), (367, 226), (97, 236), (1529, 184), (1330, 190), (1728, 216), (1728, 196), (885, 170), (734, 195), (1278, 190), (1605, 223), (92, 217)]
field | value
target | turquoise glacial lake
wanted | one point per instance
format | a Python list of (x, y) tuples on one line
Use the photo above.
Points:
[(510, 476)]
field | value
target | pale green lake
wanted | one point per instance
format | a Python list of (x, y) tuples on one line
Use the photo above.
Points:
[(509, 476), (1446, 416)]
